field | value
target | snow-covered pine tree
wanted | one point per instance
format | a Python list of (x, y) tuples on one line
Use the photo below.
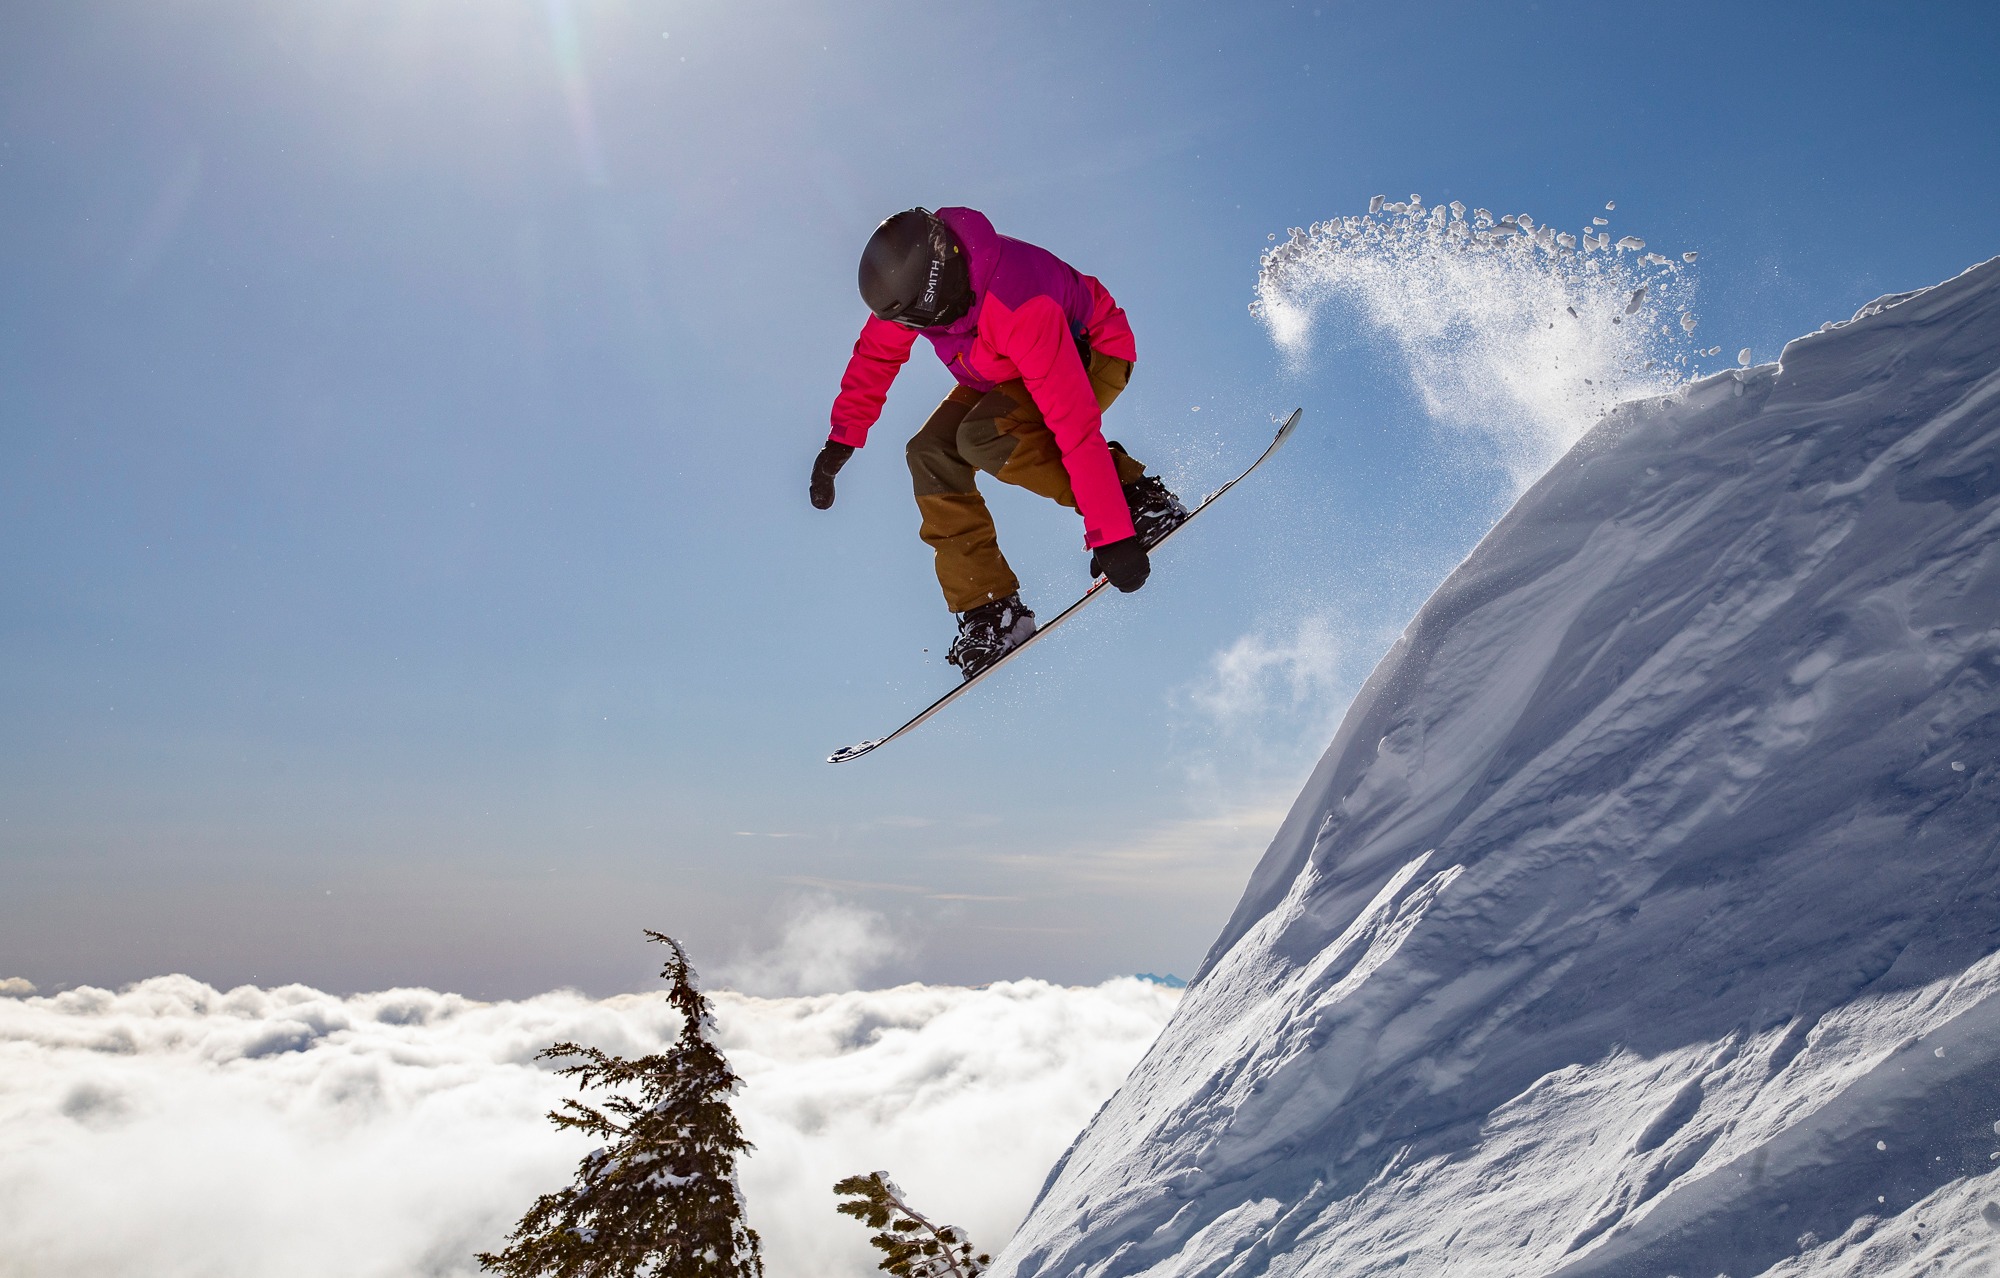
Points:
[(659, 1199), (911, 1246)]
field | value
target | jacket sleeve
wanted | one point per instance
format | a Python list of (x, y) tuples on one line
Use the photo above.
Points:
[(1036, 338), (879, 354)]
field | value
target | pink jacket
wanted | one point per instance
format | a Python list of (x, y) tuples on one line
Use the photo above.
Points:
[(1029, 308)]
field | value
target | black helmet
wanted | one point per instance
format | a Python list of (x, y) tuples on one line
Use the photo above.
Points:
[(913, 271)]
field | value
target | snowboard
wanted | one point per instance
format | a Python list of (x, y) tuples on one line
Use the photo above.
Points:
[(846, 753)]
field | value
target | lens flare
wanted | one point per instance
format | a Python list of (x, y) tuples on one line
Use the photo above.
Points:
[(576, 88)]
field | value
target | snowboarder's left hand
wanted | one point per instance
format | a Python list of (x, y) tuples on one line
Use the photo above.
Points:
[(1124, 562), (825, 467)]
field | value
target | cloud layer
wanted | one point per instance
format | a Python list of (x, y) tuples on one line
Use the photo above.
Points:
[(174, 1129)]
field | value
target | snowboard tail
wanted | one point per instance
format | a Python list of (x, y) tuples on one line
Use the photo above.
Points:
[(846, 753)]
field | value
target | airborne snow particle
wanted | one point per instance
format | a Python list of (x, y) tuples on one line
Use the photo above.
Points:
[(1610, 205), (1743, 357), (1638, 296), (1600, 221), (1457, 209), (1956, 766), (1394, 270), (1689, 257), (1632, 242), (1375, 203), (1882, 1144)]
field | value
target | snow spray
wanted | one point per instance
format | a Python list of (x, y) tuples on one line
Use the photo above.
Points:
[(1517, 334)]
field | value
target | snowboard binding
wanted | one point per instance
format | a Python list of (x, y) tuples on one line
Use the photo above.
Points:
[(988, 633)]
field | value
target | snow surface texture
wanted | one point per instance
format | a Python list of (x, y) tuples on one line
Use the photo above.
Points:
[(1642, 917), (172, 1130), (1514, 336)]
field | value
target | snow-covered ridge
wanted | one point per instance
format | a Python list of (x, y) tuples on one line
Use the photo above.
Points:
[(1644, 915)]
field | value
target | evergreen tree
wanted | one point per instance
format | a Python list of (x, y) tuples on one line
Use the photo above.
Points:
[(912, 1246), (659, 1199)]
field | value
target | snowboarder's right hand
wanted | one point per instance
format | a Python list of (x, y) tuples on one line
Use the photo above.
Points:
[(831, 459), (1123, 562)]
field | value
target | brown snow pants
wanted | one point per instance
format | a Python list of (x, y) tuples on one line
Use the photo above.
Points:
[(1002, 433)]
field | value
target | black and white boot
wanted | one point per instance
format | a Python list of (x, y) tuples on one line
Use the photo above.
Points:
[(1155, 510), (988, 633)]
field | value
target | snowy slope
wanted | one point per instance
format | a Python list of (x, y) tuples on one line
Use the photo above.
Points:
[(1644, 915)]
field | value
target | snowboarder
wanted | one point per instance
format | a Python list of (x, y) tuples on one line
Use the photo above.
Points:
[(1040, 351)]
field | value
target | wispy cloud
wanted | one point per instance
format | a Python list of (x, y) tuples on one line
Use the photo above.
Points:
[(1257, 718), (824, 944), (1261, 673), (1199, 857), (173, 1130)]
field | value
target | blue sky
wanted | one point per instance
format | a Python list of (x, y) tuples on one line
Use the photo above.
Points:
[(405, 410)]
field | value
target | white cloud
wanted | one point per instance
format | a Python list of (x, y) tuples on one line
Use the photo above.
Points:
[(967, 1096), (1265, 709), (16, 987), (173, 1129), (1258, 674), (827, 944)]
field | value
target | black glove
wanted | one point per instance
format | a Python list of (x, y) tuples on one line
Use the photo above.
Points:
[(830, 460), (1124, 562)]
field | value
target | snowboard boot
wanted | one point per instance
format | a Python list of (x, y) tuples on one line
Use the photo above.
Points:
[(988, 633), (1155, 510)]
